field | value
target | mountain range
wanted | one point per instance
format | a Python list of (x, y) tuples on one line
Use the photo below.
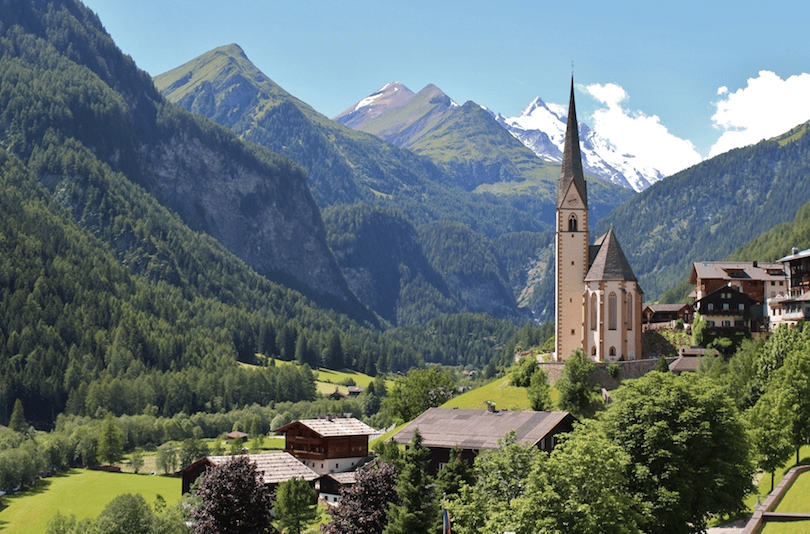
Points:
[(468, 170), (414, 120)]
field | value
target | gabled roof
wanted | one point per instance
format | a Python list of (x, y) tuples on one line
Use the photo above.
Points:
[(275, 467), (795, 255), (571, 173), (480, 429), (736, 270), (610, 262), (723, 289), (664, 308), (332, 427)]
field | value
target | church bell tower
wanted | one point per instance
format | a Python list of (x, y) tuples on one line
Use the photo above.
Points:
[(571, 243)]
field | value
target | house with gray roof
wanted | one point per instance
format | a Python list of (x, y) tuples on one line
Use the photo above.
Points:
[(476, 430), (274, 467)]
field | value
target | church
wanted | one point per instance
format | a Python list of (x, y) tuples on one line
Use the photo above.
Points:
[(598, 299)]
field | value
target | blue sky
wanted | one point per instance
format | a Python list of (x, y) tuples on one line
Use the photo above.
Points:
[(672, 81)]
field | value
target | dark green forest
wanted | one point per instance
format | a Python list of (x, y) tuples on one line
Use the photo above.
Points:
[(110, 301)]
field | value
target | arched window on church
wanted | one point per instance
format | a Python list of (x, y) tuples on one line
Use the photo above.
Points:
[(629, 311), (593, 311), (612, 353), (572, 223), (612, 311), (593, 351)]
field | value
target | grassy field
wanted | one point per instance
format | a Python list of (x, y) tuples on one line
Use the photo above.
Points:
[(792, 527), (499, 391), (797, 499), (80, 492)]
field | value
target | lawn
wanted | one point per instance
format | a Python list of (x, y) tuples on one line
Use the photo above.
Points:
[(764, 485), (792, 527), (80, 492)]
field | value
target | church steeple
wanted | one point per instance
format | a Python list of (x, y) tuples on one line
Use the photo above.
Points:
[(572, 157)]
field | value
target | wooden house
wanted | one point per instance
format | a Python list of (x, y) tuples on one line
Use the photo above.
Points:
[(793, 307), (329, 444), (727, 309), (666, 314), (275, 468), (475, 430)]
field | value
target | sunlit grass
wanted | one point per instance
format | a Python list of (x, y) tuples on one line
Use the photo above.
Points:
[(79, 492)]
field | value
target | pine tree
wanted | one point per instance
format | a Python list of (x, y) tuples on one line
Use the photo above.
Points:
[(17, 421), (419, 511), (295, 505), (111, 440)]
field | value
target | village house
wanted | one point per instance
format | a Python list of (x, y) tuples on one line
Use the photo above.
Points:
[(476, 430), (330, 444), (759, 280), (274, 467), (793, 306), (727, 310), (656, 315)]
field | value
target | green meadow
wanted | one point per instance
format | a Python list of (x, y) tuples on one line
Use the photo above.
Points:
[(79, 492)]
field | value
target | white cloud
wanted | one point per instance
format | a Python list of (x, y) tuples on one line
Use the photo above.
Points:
[(767, 107), (632, 132)]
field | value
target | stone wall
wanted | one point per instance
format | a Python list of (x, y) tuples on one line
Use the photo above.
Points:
[(628, 369)]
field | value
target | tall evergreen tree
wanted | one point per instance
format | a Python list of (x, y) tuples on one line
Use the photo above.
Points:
[(419, 511), (17, 421)]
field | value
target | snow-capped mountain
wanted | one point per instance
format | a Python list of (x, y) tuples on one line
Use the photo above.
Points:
[(541, 127)]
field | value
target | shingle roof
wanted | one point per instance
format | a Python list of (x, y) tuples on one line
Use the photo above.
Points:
[(742, 270), (275, 467), (571, 172), (610, 262), (333, 427), (656, 308), (479, 429)]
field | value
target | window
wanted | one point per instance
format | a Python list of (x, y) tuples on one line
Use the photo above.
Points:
[(740, 306), (612, 352), (612, 311), (593, 311), (572, 223), (629, 311), (726, 323), (593, 351), (725, 305), (710, 306)]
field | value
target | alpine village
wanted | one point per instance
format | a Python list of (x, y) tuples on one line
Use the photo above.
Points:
[(223, 312)]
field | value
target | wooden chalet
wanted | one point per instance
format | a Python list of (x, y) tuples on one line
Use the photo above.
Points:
[(275, 468), (727, 309), (329, 444), (666, 314), (474, 430)]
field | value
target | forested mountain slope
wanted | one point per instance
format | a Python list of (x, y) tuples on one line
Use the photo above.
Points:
[(64, 80), (110, 301), (707, 211), (344, 165), (347, 166)]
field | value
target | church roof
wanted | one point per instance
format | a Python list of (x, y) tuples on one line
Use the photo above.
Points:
[(610, 262), (572, 158)]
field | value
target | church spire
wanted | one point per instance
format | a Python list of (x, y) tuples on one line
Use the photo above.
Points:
[(572, 157)]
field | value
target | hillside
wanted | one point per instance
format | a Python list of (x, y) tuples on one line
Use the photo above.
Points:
[(706, 212), (113, 298), (347, 166)]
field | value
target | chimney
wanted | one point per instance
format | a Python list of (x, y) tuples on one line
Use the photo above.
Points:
[(794, 251)]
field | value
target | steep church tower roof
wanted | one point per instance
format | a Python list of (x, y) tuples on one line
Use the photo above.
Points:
[(572, 157), (610, 262)]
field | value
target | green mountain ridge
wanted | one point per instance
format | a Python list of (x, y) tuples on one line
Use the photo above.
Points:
[(346, 166), (111, 301), (706, 212)]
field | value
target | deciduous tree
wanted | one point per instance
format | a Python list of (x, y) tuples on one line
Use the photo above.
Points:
[(233, 498), (363, 506), (295, 505), (689, 450)]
